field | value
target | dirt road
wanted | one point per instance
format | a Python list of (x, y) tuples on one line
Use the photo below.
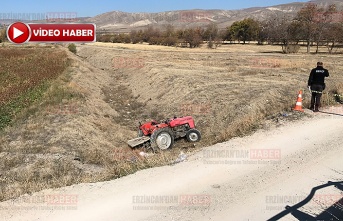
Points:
[(248, 178)]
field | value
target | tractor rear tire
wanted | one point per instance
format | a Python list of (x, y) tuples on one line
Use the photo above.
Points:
[(193, 135), (162, 139)]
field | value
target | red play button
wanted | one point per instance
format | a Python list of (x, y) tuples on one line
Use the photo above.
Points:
[(18, 33)]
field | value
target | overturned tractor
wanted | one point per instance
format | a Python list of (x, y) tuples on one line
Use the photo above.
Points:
[(162, 135)]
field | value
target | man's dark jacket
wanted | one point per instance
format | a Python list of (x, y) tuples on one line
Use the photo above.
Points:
[(317, 76)]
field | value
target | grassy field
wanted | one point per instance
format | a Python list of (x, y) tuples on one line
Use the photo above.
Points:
[(227, 90), (24, 77), (77, 130)]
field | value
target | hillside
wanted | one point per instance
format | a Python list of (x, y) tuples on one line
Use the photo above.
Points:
[(119, 21), (124, 21)]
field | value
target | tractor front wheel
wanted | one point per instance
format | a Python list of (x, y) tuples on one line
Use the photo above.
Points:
[(162, 138), (193, 135)]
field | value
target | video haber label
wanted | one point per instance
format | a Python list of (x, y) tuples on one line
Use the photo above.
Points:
[(17, 33)]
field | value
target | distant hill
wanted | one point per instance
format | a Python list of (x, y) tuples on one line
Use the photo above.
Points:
[(124, 22), (118, 21)]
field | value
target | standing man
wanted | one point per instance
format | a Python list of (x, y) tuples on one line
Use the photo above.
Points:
[(316, 84)]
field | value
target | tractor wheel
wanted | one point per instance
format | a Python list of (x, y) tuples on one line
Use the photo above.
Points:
[(193, 135), (162, 139)]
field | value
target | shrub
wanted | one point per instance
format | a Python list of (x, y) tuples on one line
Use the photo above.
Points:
[(290, 49), (210, 44), (72, 48)]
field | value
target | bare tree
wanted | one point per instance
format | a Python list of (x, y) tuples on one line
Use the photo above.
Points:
[(333, 31), (307, 17), (193, 37), (276, 29), (324, 20), (211, 32)]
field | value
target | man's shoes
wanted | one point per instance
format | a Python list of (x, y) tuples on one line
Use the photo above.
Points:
[(312, 108), (316, 108)]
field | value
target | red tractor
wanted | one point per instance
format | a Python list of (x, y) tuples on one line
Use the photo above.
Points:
[(162, 135)]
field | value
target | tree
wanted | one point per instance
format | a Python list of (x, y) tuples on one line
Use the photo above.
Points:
[(193, 37), (210, 44), (135, 37), (155, 40), (211, 32), (307, 17), (150, 32), (227, 34), (245, 30), (125, 38), (170, 41), (169, 31), (105, 38), (323, 22), (262, 34), (276, 29), (333, 32), (169, 36), (115, 38), (282, 30)]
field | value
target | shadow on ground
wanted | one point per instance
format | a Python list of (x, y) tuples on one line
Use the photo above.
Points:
[(334, 212), (331, 113)]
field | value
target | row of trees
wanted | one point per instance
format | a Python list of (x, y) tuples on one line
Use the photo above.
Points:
[(169, 36), (312, 24), (245, 30)]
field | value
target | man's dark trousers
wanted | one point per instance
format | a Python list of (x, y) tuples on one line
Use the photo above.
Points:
[(315, 99)]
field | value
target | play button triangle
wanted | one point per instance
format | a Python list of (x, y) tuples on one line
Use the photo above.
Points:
[(16, 33)]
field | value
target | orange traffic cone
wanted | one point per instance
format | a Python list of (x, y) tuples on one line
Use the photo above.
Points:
[(299, 104)]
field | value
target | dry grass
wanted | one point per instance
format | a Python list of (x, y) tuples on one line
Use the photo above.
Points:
[(23, 68), (24, 76), (78, 132), (230, 89)]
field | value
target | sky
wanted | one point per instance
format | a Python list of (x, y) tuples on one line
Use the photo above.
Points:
[(89, 8)]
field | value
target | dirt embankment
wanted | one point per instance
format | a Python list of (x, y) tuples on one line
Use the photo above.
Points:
[(228, 91), (62, 143)]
